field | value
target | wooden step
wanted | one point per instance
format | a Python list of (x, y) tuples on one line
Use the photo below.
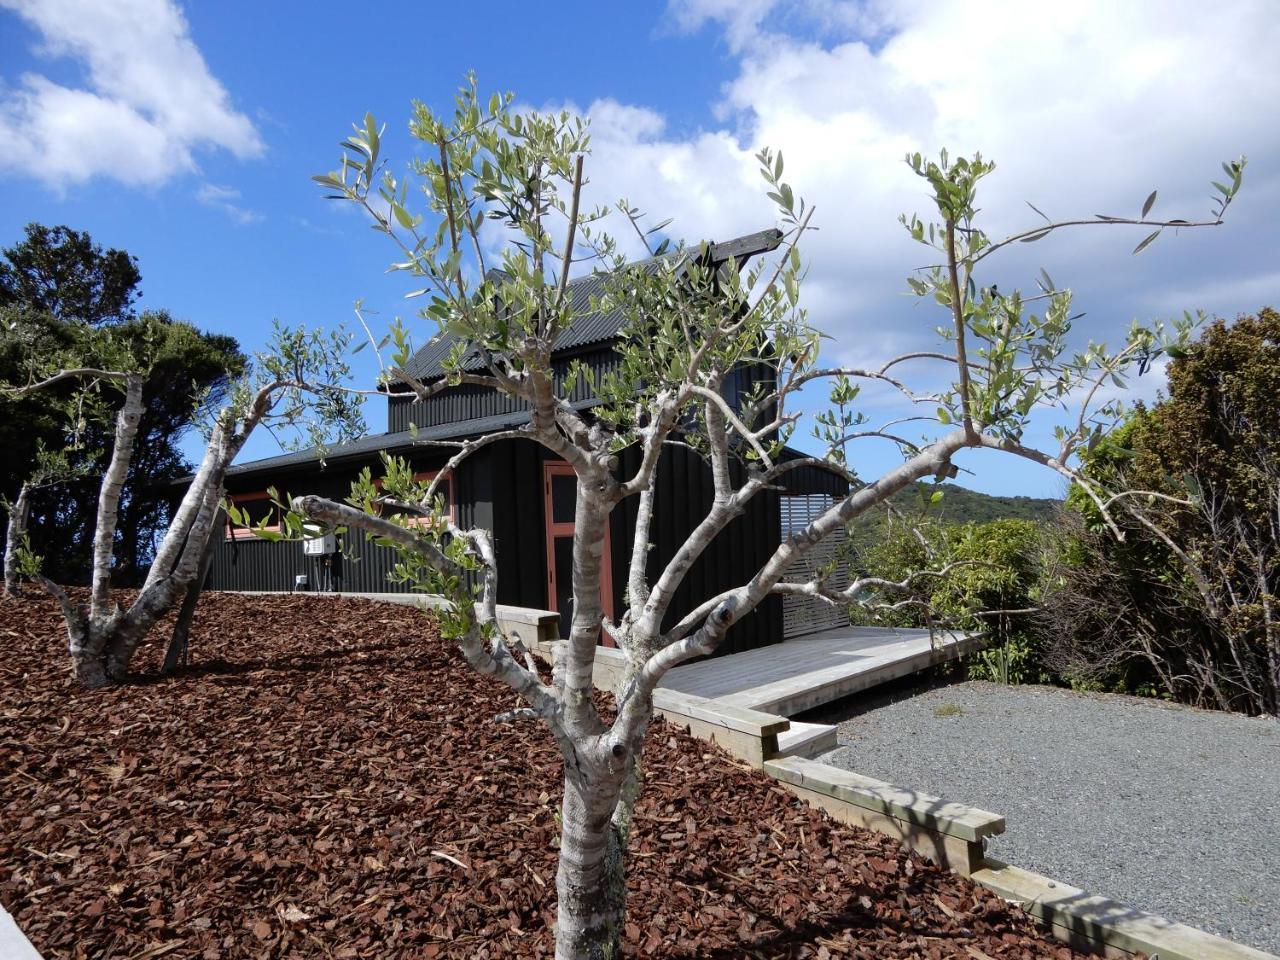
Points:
[(807, 739)]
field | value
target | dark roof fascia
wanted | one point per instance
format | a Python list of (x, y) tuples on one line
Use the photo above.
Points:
[(402, 442)]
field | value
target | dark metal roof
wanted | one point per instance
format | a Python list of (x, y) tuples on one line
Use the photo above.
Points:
[(401, 442), (592, 326)]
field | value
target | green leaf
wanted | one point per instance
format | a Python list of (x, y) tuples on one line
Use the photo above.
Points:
[(1037, 236), (944, 415), (1147, 242), (402, 216), (1151, 202), (937, 497)]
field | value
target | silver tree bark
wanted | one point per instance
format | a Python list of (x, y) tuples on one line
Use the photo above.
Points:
[(103, 637), (15, 538), (89, 632), (180, 639)]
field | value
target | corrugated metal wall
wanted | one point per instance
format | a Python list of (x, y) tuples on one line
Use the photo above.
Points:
[(361, 567), (263, 565), (468, 402)]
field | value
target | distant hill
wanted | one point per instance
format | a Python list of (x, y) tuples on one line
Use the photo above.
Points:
[(962, 505), (958, 505)]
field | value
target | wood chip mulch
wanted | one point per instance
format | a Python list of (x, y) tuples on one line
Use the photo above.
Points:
[(325, 781)]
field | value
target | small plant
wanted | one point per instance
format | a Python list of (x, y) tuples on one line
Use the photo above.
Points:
[(949, 710)]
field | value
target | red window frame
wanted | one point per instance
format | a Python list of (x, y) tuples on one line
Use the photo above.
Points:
[(427, 476), (235, 532)]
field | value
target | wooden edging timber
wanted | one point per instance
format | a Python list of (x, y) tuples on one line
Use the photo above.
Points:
[(1103, 925), (919, 809), (950, 834)]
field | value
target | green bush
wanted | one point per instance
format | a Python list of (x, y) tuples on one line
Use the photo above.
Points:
[(999, 567), (1186, 605)]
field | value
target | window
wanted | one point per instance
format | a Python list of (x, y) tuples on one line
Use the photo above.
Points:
[(445, 490)]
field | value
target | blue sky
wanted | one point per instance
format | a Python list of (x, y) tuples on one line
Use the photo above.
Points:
[(186, 134)]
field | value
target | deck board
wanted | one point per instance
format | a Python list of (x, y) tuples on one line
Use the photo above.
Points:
[(800, 674)]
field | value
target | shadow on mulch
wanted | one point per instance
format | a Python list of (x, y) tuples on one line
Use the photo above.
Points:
[(218, 667), (325, 781)]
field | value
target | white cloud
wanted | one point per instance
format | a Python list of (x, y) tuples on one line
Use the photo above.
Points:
[(150, 100), (1086, 106), (226, 199)]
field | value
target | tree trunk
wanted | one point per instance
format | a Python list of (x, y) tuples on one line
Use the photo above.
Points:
[(89, 643), (176, 655), (103, 642), (590, 883), (109, 495), (19, 513)]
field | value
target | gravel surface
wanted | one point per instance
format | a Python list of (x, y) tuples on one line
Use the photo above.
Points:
[(1169, 809)]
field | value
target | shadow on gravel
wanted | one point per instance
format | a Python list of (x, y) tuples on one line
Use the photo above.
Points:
[(866, 701)]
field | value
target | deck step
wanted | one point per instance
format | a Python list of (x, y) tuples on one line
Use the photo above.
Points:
[(807, 740)]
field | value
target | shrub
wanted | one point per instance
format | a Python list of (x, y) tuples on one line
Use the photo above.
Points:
[(992, 588), (1186, 603)]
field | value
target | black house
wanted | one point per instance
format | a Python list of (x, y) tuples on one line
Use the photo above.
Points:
[(525, 495)]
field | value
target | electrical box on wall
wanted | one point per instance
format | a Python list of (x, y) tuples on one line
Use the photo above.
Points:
[(320, 546)]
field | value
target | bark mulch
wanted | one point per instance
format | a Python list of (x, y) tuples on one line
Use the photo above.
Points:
[(325, 781)]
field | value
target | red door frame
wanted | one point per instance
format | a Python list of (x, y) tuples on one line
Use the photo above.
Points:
[(566, 529)]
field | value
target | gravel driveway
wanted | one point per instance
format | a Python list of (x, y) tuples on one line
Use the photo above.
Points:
[(1169, 809)]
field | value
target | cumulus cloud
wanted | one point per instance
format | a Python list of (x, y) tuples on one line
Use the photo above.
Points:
[(1086, 106), (226, 199), (148, 103)]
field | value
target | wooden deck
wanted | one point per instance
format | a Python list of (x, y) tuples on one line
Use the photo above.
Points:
[(798, 675)]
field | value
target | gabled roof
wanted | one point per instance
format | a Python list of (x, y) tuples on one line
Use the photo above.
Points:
[(591, 327)]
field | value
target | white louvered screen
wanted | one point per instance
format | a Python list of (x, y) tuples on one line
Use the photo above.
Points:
[(801, 615)]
